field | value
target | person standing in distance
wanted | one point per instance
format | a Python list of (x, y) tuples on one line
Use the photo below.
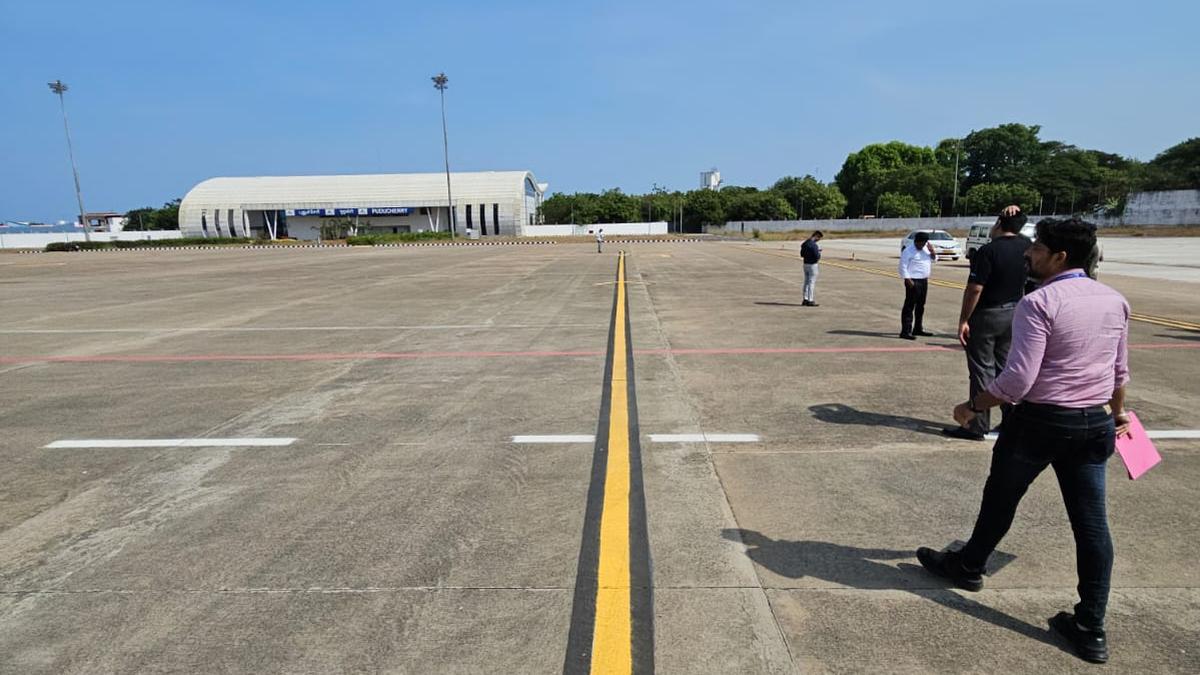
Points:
[(599, 240), (810, 252), (916, 263), (1069, 358), (996, 283)]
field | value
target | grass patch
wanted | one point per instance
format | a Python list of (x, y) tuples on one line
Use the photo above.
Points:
[(146, 243), (402, 237)]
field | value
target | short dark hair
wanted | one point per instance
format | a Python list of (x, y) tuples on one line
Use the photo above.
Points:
[(1075, 236), (818, 233), (1013, 223), (921, 237)]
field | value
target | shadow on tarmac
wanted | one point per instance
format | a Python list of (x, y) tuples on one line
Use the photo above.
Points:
[(778, 304), (866, 333), (855, 567), (839, 413), (1190, 336)]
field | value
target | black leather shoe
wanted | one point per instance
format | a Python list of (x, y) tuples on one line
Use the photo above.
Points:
[(961, 433), (1091, 646), (810, 303), (949, 565), (922, 333), (907, 336)]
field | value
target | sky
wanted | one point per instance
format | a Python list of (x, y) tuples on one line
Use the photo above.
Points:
[(587, 95)]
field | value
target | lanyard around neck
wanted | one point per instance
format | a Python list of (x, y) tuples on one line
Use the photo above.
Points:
[(1068, 275)]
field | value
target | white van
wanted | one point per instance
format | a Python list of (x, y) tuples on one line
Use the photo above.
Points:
[(981, 233)]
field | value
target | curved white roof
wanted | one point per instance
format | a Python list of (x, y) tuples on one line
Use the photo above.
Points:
[(392, 189)]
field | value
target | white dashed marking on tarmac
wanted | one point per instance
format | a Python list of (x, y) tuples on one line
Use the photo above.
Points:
[(560, 438), (1160, 435), (172, 443), (702, 438), (1183, 433)]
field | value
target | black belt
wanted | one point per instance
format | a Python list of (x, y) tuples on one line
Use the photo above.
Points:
[(1050, 407)]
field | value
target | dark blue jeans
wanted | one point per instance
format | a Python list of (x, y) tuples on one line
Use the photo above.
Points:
[(1077, 443)]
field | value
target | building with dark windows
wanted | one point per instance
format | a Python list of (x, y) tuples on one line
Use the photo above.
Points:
[(489, 203)]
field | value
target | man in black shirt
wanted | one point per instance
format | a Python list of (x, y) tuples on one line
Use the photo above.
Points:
[(995, 285), (811, 253)]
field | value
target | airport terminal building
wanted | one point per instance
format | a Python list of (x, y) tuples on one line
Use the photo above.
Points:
[(272, 207)]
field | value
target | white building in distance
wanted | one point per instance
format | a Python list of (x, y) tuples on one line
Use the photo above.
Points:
[(272, 207), (710, 180)]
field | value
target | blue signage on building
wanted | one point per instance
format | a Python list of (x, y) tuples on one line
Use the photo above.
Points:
[(351, 211)]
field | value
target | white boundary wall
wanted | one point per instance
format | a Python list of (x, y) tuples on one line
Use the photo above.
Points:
[(39, 240), (1167, 208), (610, 229)]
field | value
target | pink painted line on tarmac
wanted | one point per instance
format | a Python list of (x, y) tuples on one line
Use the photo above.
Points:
[(794, 350), (332, 356), (384, 356)]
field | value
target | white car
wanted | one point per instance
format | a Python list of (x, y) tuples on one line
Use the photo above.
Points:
[(981, 233), (944, 245)]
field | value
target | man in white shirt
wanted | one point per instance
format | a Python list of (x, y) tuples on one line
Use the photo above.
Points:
[(599, 241), (916, 262)]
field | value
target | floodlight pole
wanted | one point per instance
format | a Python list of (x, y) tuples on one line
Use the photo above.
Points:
[(954, 199), (58, 87), (439, 82)]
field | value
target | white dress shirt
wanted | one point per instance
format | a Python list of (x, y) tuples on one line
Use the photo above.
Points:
[(916, 262)]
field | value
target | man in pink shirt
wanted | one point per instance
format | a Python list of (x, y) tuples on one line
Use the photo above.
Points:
[(1068, 360)]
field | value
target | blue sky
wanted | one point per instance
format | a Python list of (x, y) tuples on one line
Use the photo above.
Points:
[(587, 95)]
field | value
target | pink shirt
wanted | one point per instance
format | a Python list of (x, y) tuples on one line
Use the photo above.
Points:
[(1069, 345)]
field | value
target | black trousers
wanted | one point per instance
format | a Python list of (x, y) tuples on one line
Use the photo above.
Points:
[(987, 352), (914, 306), (1076, 443)]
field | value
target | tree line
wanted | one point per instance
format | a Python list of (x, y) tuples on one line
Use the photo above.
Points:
[(975, 175), (150, 218)]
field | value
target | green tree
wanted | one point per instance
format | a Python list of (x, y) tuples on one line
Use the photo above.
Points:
[(564, 208), (896, 205), (928, 184), (140, 219), (614, 206), (990, 198), (864, 175), (811, 198), (149, 218), (1176, 168), (168, 216), (759, 206), (1009, 153), (702, 208)]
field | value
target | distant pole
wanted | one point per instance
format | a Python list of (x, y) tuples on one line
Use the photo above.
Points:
[(954, 200), (439, 82), (59, 87)]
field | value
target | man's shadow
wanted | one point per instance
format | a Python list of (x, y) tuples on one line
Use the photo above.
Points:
[(855, 567), (864, 333), (840, 413), (778, 304)]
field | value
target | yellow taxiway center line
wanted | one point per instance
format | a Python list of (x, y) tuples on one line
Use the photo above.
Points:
[(612, 639)]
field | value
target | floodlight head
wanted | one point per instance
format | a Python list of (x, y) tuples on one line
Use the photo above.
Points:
[(440, 81), (57, 86)]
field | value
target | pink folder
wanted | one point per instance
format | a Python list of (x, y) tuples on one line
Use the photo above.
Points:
[(1136, 450)]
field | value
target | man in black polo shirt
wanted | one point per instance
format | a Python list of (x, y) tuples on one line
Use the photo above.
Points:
[(995, 285), (810, 252)]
